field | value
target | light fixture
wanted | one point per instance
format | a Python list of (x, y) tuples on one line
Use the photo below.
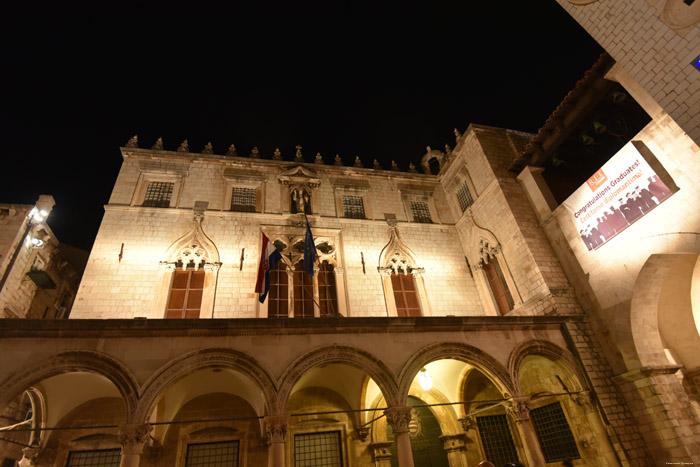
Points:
[(425, 380), (36, 242)]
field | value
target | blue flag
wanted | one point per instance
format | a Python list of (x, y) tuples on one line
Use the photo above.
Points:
[(310, 255)]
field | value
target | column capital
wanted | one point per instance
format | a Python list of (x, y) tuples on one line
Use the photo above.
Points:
[(133, 438), (29, 456), (276, 428), (398, 418), (518, 408)]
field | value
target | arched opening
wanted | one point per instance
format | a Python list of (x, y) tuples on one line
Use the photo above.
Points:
[(426, 444)]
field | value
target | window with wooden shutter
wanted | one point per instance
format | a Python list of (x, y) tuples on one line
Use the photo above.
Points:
[(405, 296), (303, 292), (278, 297), (186, 294), (327, 294), (498, 285)]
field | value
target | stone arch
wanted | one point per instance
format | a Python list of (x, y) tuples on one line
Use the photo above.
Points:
[(78, 361), (180, 367), (365, 361), (661, 313), (428, 157), (194, 246), (474, 356), (542, 348), (396, 253)]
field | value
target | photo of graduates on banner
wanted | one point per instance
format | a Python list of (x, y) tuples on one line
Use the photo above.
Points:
[(624, 190)]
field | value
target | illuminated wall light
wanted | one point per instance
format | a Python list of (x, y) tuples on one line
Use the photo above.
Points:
[(425, 380)]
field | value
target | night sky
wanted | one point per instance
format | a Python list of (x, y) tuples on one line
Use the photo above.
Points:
[(358, 80)]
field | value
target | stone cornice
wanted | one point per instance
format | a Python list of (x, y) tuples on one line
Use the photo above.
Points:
[(132, 328)]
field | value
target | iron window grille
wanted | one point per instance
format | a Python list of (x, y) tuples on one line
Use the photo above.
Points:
[(243, 200), (158, 194), (354, 207), (318, 450), (497, 439), (217, 454), (465, 197), (553, 432), (97, 458), (420, 212)]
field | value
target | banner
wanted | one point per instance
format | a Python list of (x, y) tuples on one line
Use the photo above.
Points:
[(621, 192)]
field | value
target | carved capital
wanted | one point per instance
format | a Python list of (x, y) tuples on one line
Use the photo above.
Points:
[(133, 438), (468, 423), (518, 408), (29, 456), (276, 428), (398, 418), (385, 271)]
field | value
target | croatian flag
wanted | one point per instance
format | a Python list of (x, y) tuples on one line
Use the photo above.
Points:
[(268, 259)]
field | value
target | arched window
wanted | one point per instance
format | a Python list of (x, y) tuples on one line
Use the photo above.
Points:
[(405, 296), (327, 293), (303, 292), (498, 285), (278, 297), (186, 290)]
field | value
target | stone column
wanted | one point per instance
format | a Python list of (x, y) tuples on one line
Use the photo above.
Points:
[(398, 418), (519, 409), (276, 428), (133, 439), (456, 449), (381, 454)]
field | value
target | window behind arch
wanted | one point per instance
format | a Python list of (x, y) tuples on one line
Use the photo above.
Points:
[(186, 290), (405, 295), (278, 297), (327, 294), (303, 292)]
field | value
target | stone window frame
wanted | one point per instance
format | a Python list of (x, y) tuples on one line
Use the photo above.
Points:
[(314, 427), (454, 185), (409, 195), (92, 440), (359, 188), (210, 435), (545, 401), (147, 177), (292, 236), (483, 248), (235, 181)]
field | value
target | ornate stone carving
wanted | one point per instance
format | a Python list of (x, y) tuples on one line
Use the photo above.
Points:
[(29, 456), (395, 166), (399, 418), (381, 451), (158, 144), (133, 142), (277, 155), (298, 157), (208, 149), (488, 250), (396, 256), (468, 423), (194, 247), (362, 432), (133, 438), (276, 428), (338, 160), (358, 162), (457, 134), (231, 152), (319, 159), (518, 408), (376, 165), (184, 147), (412, 168), (255, 153)]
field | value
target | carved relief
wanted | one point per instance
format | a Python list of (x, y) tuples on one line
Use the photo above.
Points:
[(518, 408), (396, 257), (133, 438), (195, 248), (399, 418)]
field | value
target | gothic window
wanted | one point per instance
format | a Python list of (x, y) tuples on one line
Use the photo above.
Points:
[(186, 293), (217, 454), (421, 212), (318, 449), (405, 295), (303, 292), (327, 293), (243, 199), (97, 458), (498, 285), (554, 434), (464, 196), (496, 439), (158, 194), (278, 297), (353, 207)]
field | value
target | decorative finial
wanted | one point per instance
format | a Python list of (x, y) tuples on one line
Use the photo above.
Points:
[(298, 157), (255, 154), (358, 162), (448, 149), (232, 151), (394, 166), (208, 149), (428, 148), (376, 165), (412, 168), (133, 142), (338, 160), (319, 159), (159, 144), (184, 147), (457, 134), (277, 155)]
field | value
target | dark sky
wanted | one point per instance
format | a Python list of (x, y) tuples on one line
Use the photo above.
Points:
[(359, 80)]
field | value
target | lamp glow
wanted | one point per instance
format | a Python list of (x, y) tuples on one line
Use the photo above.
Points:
[(425, 380)]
